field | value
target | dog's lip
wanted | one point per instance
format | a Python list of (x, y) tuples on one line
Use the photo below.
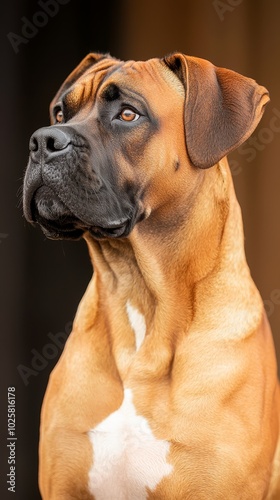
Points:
[(118, 229), (121, 229), (112, 231), (76, 229)]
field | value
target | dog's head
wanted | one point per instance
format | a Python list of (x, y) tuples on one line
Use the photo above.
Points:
[(129, 137)]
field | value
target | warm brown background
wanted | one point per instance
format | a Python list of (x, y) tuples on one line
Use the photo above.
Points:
[(246, 39), (42, 281)]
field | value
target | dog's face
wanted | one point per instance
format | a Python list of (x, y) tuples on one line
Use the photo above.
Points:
[(92, 169), (116, 151)]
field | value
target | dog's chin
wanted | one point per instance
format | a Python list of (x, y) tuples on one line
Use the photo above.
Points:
[(65, 227), (53, 217), (60, 233)]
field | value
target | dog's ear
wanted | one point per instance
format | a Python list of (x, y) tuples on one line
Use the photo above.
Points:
[(86, 63), (222, 108)]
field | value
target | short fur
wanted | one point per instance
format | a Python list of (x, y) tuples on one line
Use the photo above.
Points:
[(165, 237)]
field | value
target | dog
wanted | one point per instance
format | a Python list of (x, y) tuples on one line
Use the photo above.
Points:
[(167, 386)]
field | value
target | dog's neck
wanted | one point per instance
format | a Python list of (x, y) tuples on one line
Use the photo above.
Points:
[(155, 259), (165, 276)]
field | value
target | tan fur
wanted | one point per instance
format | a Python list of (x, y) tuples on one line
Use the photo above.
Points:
[(205, 377)]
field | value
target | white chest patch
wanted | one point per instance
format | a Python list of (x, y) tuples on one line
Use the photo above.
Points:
[(137, 323), (127, 458)]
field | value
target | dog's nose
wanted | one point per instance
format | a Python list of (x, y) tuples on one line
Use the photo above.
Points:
[(49, 141)]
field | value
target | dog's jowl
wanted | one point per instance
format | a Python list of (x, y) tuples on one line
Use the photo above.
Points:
[(167, 387)]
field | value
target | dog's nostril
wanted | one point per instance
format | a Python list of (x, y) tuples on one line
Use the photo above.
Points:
[(51, 145), (57, 142), (33, 144)]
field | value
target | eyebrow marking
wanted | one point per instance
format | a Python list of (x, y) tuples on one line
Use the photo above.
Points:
[(114, 92), (111, 93)]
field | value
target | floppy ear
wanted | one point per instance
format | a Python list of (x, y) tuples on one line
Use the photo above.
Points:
[(222, 108), (84, 65)]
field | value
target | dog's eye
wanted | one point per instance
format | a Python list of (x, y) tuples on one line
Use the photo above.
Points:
[(59, 116), (128, 115)]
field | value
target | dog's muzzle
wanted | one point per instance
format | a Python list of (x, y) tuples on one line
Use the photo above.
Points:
[(70, 187)]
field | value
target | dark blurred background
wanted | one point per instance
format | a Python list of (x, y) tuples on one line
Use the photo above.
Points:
[(42, 281)]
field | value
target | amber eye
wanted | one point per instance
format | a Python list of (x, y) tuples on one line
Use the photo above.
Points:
[(59, 117), (128, 115)]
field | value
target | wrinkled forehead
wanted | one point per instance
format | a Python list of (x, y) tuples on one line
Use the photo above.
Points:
[(150, 79)]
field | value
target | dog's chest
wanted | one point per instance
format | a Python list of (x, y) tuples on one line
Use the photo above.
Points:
[(127, 457)]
